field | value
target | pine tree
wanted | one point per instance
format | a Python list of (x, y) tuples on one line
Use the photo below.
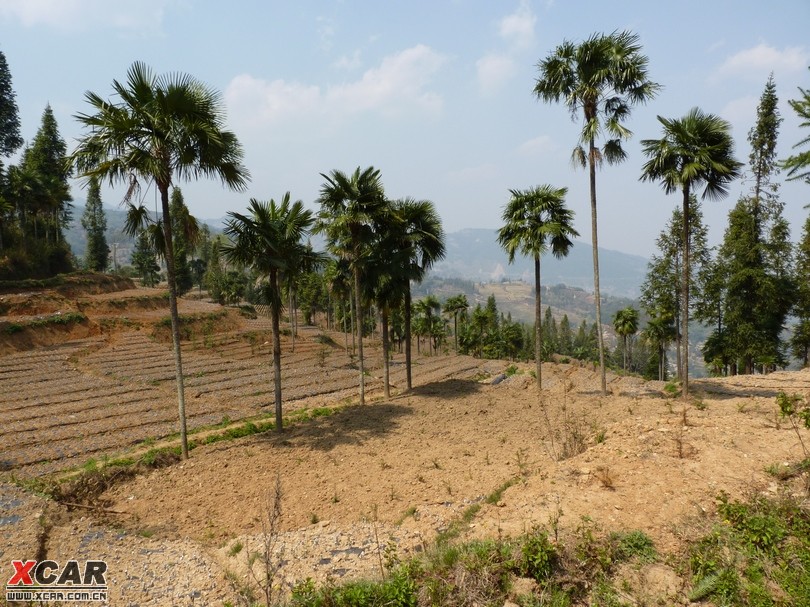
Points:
[(756, 254), (184, 235), (46, 158), (94, 221), (661, 290), (800, 339), (144, 260), (565, 337), (10, 139)]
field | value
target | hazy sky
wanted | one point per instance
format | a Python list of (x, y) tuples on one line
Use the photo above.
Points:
[(436, 94)]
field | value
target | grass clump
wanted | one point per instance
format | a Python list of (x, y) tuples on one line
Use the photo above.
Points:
[(759, 554)]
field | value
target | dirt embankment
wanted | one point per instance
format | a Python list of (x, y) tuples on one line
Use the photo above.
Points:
[(394, 472)]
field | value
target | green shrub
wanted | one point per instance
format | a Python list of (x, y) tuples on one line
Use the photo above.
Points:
[(538, 556)]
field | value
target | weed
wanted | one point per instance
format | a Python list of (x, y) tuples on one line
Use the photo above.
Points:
[(605, 478), (700, 404), (537, 555), (634, 544), (600, 436), (236, 548), (671, 389), (409, 512), (796, 410), (314, 519), (522, 462), (511, 370)]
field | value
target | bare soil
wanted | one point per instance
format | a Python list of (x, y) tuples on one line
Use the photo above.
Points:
[(395, 471)]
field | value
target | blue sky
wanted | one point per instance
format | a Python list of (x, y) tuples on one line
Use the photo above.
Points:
[(436, 94)]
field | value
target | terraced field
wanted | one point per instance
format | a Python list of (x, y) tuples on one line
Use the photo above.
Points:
[(97, 396)]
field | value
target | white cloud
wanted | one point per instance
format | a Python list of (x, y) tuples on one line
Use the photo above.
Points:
[(741, 111), (518, 27), (349, 62), (539, 145), (253, 100), (141, 17), (399, 83), (763, 59), (494, 70)]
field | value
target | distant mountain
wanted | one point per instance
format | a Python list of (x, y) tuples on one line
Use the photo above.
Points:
[(474, 254), (121, 244)]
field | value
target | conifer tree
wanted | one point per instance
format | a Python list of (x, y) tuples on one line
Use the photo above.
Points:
[(144, 260), (184, 235), (10, 139), (800, 339), (756, 254), (46, 159), (94, 222)]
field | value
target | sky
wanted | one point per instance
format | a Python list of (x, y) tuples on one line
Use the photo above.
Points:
[(436, 94)]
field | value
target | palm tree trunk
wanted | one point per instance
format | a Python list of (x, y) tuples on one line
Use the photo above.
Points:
[(292, 321), (408, 384), (455, 329), (685, 293), (624, 340), (538, 332), (275, 313), (595, 241), (175, 318), (345, 328), (353, 318), (386, 346), (359, 308)]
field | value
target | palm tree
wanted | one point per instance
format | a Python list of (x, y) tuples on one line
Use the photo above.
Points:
[(161, 128), (696, 150), (625, 322), (386, 277), (454, 305), (426, 307), (422, 242), (659, 332), (270, 241), (601, 78), (535, 221), (349, 206)]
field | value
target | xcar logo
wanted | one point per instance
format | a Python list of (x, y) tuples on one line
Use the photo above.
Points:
[(47, 581)]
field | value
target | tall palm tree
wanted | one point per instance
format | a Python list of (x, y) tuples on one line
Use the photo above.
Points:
[(535, 221), (659, 332), (422, 241), (426, 307), (385, 278), (695, 151), (454, 305), (625, 322), (270, 241), (601, 79), (160, 129), (349, 206)]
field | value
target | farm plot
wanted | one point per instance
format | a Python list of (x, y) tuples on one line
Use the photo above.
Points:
[(95, 397)]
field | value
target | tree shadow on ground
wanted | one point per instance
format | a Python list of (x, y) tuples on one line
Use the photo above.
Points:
[(352, 425), (447, 389)]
